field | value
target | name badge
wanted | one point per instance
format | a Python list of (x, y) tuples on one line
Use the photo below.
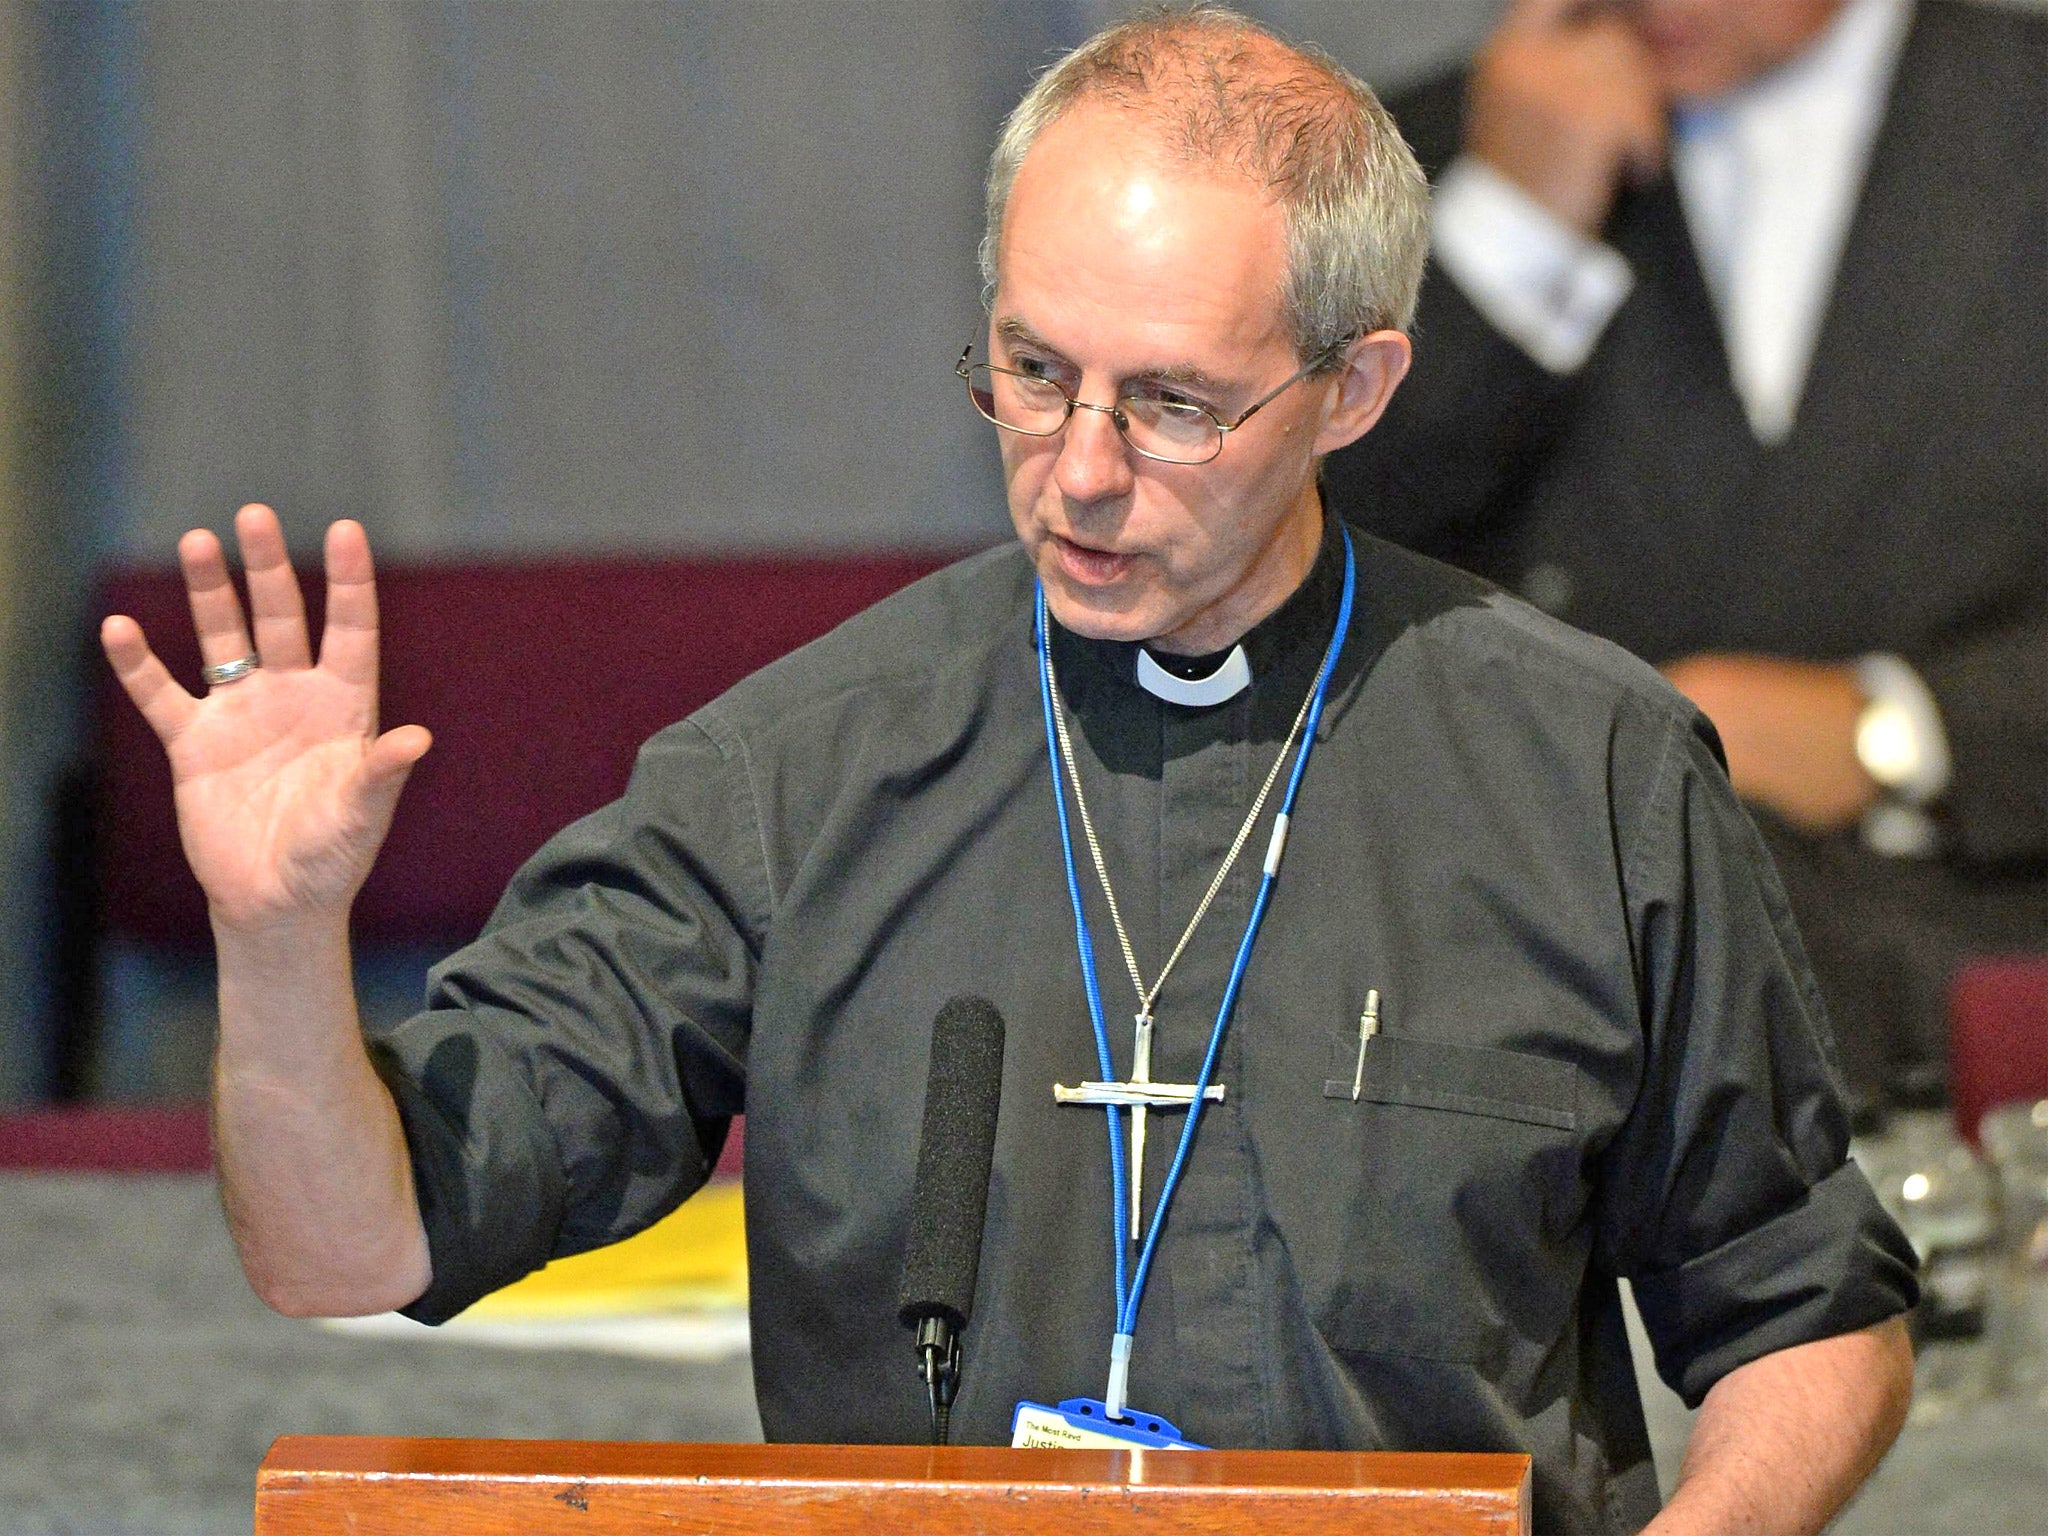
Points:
[(1082, 1422)]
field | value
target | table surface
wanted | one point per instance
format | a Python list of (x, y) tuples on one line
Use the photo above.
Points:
[(142, 1383)]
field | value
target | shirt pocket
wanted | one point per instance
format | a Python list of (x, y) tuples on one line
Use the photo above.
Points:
[(1463, 1079), (1463, 1236)]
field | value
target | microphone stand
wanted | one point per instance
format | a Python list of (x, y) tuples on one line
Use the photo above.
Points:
[(938, 1356)]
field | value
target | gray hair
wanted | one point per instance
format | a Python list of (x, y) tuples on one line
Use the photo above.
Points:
[(1218, 89)]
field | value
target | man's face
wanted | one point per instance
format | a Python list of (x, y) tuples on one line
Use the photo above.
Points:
[(1119, 276), (1703, 48)]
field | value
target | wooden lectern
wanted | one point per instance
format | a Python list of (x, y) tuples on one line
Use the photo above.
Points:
[(318, 1485)]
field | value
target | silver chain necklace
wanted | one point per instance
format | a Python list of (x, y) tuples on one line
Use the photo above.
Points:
[(1141, 1049)]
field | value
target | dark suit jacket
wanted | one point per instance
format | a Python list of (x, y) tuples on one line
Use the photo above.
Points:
[(1907, 512)]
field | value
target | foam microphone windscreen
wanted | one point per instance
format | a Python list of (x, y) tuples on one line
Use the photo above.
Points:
[(954, 1153)]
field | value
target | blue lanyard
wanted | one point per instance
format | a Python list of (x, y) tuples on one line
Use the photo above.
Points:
[(1130, 1291)]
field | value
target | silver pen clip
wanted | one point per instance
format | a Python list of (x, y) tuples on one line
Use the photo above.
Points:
[(1368, 1026)]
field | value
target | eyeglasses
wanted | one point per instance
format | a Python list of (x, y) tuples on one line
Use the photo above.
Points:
[(1156, 426)]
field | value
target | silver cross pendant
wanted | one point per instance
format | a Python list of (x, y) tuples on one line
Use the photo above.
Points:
[(1138, 1095)]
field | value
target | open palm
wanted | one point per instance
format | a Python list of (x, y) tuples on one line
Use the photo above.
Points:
[(284, 786)]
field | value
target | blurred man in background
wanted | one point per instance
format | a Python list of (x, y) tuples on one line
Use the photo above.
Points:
[(1735, 350)]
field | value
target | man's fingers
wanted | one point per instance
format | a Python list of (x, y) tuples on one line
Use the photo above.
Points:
[(276, 608), (396, 751), (216, 609), (389, 763), (349, 647), (147, 681)]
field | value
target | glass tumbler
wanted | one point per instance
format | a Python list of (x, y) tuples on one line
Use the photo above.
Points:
[(2015, 1138)]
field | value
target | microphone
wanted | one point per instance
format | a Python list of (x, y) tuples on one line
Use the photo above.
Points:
[(950, 1198)]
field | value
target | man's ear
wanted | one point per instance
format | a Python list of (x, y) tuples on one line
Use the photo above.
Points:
[(1373, 365)]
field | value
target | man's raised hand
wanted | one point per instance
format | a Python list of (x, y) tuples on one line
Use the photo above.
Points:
[(1565, 102), (285, 790), (284, 786)]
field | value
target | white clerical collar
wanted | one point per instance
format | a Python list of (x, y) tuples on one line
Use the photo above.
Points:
[(1226, 682)]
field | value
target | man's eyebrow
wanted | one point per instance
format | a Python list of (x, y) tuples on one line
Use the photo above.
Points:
[(1010, 328), (1189, 374)]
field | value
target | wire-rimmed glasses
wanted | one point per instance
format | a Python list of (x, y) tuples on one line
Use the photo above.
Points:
[(1157, 426)]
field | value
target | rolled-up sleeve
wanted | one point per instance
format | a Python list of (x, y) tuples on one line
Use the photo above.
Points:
[(578, 1066), (1728, 1197), (484, 1165)]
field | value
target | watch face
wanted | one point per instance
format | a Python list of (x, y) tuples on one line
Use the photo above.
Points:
[(1886, 744)]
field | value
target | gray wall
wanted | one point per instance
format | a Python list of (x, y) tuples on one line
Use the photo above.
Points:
[(592, 276), (495, 277)]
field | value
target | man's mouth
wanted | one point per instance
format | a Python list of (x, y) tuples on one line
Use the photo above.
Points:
[(1090, 567)]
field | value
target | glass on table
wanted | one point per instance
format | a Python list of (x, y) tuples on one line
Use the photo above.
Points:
[(1941, 1196), (1940, 1193), (2015, 1138)]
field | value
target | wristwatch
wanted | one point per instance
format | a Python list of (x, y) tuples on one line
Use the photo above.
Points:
[(1887, 746), (1900, 741)]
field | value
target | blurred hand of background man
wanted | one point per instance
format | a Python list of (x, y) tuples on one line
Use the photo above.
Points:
[(1789, 729), (1565, 102)]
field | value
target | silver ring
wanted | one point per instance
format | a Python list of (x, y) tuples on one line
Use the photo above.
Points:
[(230, 671)]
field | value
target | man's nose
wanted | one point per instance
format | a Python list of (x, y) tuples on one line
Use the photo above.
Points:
[(1094, 461)]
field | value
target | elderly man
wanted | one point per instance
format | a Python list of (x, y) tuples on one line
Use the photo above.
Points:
[(1737, 353), (1515, 1010)]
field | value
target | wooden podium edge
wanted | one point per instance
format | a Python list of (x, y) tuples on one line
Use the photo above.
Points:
[(369, 1485)]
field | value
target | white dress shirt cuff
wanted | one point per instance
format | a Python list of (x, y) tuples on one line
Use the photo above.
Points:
[(1543, 285), (1902, 729)]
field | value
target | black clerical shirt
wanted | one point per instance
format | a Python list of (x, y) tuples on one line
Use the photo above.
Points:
[(1599, 1049)]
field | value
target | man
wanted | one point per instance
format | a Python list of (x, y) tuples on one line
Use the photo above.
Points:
[(1514, 1009), (1736, 352)]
